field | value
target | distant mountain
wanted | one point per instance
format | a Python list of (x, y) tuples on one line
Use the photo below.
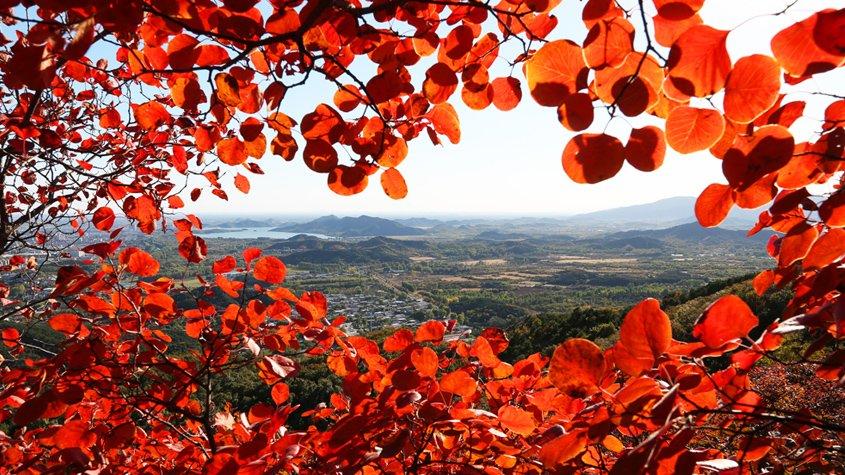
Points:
[(370, 251), (494, 235), (420, 222), (634, 242), (692, 233), (666, 212), (245, 223), (352, 227)]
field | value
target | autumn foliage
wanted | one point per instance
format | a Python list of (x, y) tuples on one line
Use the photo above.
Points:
[(130, 107)]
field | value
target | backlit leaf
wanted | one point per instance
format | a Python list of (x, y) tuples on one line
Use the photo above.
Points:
[(726, 320), (577, 366), (646, 148), (752, 87), (555, 71), (714, 204), (690, 129), (394, 184), (591, 158)]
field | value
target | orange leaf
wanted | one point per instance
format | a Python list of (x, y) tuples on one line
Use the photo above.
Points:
[(431, 330), (752, 87), (577, 366), (320, 156), (829, 248), (459, 382), (242, 183), (608, 43), (690, 129), (394, 151), (269, 269), (187, 93), (231, 151), (224, 265), (576, 112), (517, 420), (714, 204), (66, 323), (347, 98), (394, 184), (563, 448), (646, 148), (110, 119), (139, 262), (832, 211), (796, 244), (228, 90), (751, 158), (727, 319), (424, 360), (440, 82), (506, 93), (667, 31), (698, 63), (444, 119), (811, 46), (555, 71), (645, 334), (151, 115), (633, 86), (347, 181), (591, 158)]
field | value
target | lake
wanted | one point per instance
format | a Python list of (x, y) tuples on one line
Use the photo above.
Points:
[(253, 233)]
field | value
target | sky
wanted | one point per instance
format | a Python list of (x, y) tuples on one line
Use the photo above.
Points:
[(509, 163)]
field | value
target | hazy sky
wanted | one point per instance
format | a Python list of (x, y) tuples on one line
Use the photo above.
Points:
[(509, 162)]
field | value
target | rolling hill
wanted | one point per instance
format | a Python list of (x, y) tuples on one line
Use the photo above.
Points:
[(666, 212), (348, 226)]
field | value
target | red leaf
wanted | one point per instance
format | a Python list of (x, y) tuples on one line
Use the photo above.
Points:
[(394, 184), (646, 148), (506, 93), (576, 113), (724, 321), (577, 366), (424, 360), (224, 265), (591, 158), (555, 71), (563, 448), (459, 382), (151, 115), (796, 244), (431, 330), (517, 420), (714, 204), (139, 262), (827, 249), (752, 87), (444, 119), (689, 129), (645, 334), (103, 218), (242, 183), (66, 323), (698, 63), (270, 269), (811, 46)]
